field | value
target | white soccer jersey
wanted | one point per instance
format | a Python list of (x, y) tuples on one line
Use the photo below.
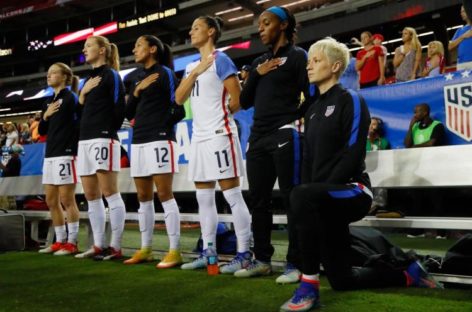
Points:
[(210, 100)]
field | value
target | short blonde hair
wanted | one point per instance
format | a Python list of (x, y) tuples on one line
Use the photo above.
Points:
[(334, 50)]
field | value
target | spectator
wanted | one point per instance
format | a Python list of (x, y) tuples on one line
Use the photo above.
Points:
[(3, 134), (350, 77), (423, 130), (34, 127), (375, 142), (407, 56), (12, 135), (375, 138), (468, 7), (25, 135), (244, 74), (378, 39), (435, 61), (370, 63), (462, 41), (11, 165)]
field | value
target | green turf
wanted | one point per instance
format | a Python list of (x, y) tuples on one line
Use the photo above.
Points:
[(33, 282), (188, 240)]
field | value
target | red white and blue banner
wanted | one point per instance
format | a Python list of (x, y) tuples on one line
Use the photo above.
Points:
[(449, 97)]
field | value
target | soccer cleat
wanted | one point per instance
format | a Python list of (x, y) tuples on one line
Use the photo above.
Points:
[(290, 276), (171, 259), (197, 263), (255, 268), (67, 249), (416, 236), (417, 276), (142, 255), (305, 298), (241, 261), (109, 253), (52, 248), (93, 251)]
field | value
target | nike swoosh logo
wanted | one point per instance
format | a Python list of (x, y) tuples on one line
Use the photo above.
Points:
[(221, 171), (282, 145), (160, 166), (302, 305), (312, 115)]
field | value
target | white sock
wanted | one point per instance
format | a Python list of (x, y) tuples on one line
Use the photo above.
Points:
[(117, 219), (241, 217), (208, 215), (73, 228), (172, 219), (61, 234), (146, 223), (96, 212)]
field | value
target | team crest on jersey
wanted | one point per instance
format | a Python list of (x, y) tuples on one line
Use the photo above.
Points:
[(458, 107), (282, 60), (329, 110)]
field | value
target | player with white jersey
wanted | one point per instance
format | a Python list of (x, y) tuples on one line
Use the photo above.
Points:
[(213, 87), (60, 123)]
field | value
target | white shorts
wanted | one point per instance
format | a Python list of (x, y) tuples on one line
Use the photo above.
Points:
[(215, 159), (152, 158), (59, 170), (98, 154)]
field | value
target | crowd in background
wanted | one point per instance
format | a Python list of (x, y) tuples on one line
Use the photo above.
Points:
[(22, 133)]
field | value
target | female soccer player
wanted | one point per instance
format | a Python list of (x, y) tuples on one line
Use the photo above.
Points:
[(275, 83), (153, 156), (213, 87), (103, 102), (60, 123), (336, 188)]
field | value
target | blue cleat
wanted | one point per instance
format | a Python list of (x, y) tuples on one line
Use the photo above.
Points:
[(305, 298), (417, 276), (241, 261)]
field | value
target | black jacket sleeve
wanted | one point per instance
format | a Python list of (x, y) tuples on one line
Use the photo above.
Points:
[(131, 104), (43, 124), (177, 112), (119, 103), (355, 125)]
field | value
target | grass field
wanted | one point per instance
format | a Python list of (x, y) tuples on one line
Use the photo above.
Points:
[(33, 282)]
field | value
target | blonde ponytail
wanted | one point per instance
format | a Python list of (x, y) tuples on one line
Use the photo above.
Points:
[(112, 56)]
